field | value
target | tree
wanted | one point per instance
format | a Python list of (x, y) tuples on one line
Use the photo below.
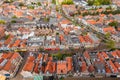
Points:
[(57, 33), (90, 2), (7, 36), (38, 3), (98, 2), (30, 7), (14, 17), (107, 35), (68, 2), (57, 9), (2, 22), (8, 1), (46, 19), (54, 1), (110, 44), (21, 4), (13, 21), (114, 23), (41, 49)]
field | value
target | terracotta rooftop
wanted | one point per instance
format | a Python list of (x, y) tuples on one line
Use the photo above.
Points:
[(7, 67), (114, 69), (17, 42), (61, 67), (86, 55), (29, 64), (109, 29), (7, 55), (105, 55), (69, 63)]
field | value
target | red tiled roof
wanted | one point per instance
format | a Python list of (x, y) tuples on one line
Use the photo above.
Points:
[(7, 55), (1, 59), (61, 37), (118, 52), (86, 54), (91, 68), (50, 58), (108, 70), (117, 65), (39, 56), (29, 17), (84, 66), (102, 15), (53, 42), (45, 57), (88, 39), (29, 64), (100, 10), (81, 39), (49, 67), (91, 21), (54, 66), (36, 69), (85, 39), (114, 54), (109, 29), (105, 55), (118, 28), (100, 57), (69, 63), (61, 67), (17, 42), (65, 21), (18, 13), (7, 66), (114, 69), (22, 45), (15, 55)]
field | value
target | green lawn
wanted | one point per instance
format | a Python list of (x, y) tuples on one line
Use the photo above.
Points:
[(98, 2)]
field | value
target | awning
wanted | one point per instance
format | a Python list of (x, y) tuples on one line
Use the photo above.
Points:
[(38, 77)]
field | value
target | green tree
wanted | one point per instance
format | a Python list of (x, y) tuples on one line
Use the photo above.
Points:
[(2, 22), (59, 55), (30, 7), (110, 44), (38, 3), (114, 23), (68, 2), (8, 1), (7, 36), (57, 9), (57, 33), (54, 1), (96, 2), (107, 35), (90, 2), (14, 17), (21, 4), (13, 21)]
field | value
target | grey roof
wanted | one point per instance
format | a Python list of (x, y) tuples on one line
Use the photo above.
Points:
[(99, 65), (117, 17), (118, 60)]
